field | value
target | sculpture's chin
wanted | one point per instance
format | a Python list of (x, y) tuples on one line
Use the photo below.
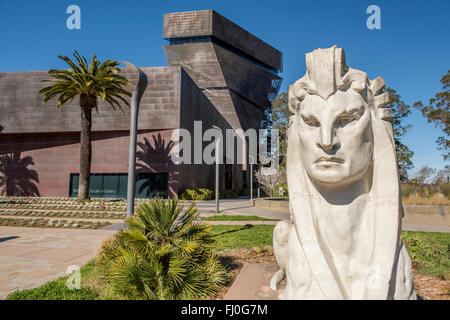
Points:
[(336, 175), (328, 174)]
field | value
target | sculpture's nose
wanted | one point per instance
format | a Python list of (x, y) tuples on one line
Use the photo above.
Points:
[(328, 141)]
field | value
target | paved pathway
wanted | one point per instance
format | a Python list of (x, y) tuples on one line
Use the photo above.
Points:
[(425, 228), (29, 257), (243, 207), (237, 207), (252, 283), (207, 208)]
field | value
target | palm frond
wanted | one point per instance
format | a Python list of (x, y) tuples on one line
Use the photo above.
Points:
[(92, 79)]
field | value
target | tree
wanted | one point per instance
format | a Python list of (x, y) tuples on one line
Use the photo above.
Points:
[(400, 111), (437, 112), (279, 117), (89, 82), (442, 176), (269, 178), (424, 174)]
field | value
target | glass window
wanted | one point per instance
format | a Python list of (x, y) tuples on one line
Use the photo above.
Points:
[(73, 188), (123, 185), (112, 185), (96, 186)]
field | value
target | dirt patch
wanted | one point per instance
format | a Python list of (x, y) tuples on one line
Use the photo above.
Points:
[(431, 288), (234, 259), (427, 287)]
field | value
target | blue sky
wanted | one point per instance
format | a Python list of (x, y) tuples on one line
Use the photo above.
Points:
[(411, 51)]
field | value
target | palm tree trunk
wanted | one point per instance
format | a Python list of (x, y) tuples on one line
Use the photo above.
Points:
[(85, 153)]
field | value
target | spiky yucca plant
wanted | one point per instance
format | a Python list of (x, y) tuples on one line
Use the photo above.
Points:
[(88, 81), (162, 254)]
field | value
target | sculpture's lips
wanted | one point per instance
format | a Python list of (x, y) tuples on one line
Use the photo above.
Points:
[(329, 159)]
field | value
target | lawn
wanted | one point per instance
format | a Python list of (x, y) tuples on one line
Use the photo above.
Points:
[(429, 252), (248, 236), (225, 217)]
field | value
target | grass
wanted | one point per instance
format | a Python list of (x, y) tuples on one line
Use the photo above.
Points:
[(429, 251), (237, 218), (248, 236)]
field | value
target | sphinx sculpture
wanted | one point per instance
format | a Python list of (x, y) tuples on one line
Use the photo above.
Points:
[(343, 240)]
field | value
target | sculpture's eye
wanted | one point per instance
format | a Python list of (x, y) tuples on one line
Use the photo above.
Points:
[(348, 117), (343, 121), (311, 121)]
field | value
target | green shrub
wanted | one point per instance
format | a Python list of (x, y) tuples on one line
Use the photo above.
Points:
[(162, 254), (197, 194), (227, 193), (246, 192), (285, 190)]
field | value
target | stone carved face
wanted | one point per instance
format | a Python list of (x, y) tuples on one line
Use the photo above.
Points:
[(333, 118), (336, 138)]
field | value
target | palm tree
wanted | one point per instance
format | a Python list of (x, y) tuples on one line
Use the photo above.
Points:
[(89, 82), (16, 179)]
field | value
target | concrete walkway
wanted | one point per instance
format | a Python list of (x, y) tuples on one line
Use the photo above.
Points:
[(425, 228), (252, 283), (30, 257), (243, 207), (237, 207), (207, 208)]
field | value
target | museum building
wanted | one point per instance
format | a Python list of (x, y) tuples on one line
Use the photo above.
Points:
[(218, 74)]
